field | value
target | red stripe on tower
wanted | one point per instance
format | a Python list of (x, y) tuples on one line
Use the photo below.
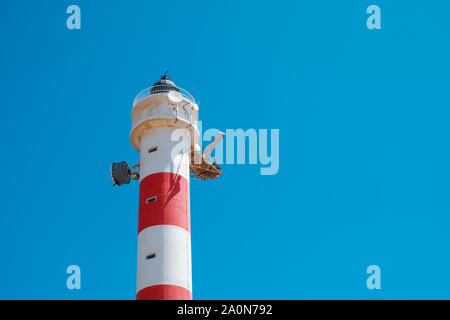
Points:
[(164, 292), (164, 199)]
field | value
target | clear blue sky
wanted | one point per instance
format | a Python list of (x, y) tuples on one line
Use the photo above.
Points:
[(364, 145)]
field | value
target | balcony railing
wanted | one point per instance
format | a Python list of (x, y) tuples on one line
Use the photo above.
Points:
[(162, 88)]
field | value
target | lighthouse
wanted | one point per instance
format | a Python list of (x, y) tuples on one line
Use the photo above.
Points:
[(165, 133)]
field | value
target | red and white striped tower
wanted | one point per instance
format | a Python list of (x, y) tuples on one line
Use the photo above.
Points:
[(164, 120)]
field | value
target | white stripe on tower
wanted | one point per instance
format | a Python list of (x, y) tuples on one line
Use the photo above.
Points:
[(164, 240)]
